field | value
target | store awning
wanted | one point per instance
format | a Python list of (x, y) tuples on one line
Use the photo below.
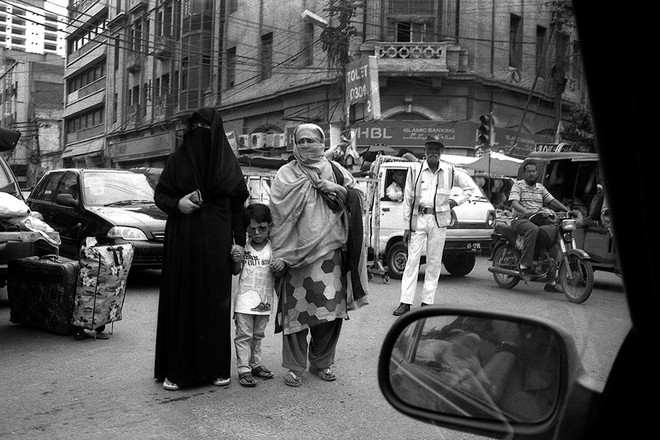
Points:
[(85, 149)]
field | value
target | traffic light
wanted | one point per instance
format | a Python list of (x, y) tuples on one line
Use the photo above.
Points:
[(486, 132)]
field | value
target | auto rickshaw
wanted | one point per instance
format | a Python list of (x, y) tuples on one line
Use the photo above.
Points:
[(573, 178)]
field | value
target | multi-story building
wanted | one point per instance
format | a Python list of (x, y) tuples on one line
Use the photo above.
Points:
[(31, 102), (136, 68), (35, 26)]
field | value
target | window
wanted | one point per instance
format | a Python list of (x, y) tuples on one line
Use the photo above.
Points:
[(515, 41), (266, 56), (165, 84), (184, 73), (541, 64), (308, 45), (231, 67), (407, 32)]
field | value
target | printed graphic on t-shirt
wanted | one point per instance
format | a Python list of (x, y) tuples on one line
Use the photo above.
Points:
[(256, 282)]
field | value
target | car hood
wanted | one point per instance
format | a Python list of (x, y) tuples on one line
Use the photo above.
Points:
[(145, 216)]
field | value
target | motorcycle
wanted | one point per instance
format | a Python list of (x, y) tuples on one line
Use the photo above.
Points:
[(575, 274)]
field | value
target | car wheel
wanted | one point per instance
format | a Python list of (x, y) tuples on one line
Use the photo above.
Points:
[(397, 256), (459, 265)]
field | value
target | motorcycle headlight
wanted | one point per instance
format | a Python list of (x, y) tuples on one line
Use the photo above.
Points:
[(126, 233), (569, 224)]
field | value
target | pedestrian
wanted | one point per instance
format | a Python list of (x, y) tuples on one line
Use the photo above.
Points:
[(317, 233), (394, 191), (427, 212), (528, 197), (254, 294), (202, 190)]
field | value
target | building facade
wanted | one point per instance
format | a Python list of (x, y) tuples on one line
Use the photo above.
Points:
[(31, 102), (135, 69)]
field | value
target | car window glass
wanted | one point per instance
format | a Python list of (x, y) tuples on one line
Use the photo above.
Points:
[(100, 189), (50, 188), (456, 191), (69, 185), (5, 177)]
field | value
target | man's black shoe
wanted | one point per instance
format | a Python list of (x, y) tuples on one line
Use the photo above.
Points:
[(403, 308)]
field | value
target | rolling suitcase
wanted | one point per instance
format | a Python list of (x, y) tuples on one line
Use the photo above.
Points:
[(41, 292), (101, 288)]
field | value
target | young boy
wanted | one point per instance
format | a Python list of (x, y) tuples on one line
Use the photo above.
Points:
[(254, 295)]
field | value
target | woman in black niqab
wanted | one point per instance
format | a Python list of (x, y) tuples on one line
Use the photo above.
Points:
[(193, 340)]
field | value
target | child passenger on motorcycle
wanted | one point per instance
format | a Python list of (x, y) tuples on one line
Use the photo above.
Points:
[(528, 197)]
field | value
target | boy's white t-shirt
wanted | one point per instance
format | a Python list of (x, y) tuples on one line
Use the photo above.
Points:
[(256, 283)]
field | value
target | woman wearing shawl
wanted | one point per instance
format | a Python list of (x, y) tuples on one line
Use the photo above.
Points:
[(202, 190), (317, 241)]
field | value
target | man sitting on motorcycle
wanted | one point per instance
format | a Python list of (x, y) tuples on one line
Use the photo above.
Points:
[(528, 197)]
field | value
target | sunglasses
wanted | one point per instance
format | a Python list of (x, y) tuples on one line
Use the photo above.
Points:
[(260, 228)]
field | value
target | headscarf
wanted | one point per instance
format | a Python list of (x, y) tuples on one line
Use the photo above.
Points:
[(310, 155), (304, 227), (214, 162)]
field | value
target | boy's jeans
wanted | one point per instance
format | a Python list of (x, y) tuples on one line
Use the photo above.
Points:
[(250, 330)]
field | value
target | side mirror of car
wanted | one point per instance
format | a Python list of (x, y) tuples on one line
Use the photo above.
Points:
[(491, 374), (66, 200)]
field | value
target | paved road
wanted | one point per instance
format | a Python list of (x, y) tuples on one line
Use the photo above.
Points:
[(54, 387)]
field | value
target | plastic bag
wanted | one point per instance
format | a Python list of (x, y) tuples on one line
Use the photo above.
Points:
[(12, 206)]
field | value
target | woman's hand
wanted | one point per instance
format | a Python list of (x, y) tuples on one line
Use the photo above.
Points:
[(278, 267), (332, 189), (236, 255), (186, 205)]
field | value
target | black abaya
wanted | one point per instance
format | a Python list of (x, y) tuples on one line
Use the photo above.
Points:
[(194, 314)]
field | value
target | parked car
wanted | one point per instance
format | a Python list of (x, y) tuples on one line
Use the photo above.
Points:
[(115, 206), (573, 404), (468, 236)]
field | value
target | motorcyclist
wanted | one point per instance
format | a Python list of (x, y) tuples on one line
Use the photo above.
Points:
[(529, 197)]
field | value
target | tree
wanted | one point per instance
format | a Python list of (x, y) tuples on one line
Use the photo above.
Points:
[(579, 130)]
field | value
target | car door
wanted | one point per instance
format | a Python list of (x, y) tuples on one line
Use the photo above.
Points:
[(64, 219), (70, 219)]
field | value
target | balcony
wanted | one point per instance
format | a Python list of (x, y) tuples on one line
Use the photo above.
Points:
[(163, 47), (134, 61), (430, 59), (135, 5)]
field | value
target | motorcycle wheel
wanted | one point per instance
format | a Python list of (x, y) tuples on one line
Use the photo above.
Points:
[(506, 258), (578, 289)]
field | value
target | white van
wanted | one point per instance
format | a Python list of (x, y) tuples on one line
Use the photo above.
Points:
[(468, 236)]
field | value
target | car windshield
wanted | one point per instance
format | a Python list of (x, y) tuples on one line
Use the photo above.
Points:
[(106, 189)]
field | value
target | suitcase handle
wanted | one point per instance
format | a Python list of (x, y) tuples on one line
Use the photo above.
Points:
[(51, 257)]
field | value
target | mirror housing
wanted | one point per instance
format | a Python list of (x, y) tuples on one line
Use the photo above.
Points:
[(66, 200), (514, 374)]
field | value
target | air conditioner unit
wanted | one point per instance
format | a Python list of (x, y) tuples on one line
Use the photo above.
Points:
[(257, 141), (243, 141), (269, 140), (278, 140)]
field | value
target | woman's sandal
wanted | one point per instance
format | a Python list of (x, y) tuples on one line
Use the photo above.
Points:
[(292, 379), (246, 380), (262, 372), (324, 373)]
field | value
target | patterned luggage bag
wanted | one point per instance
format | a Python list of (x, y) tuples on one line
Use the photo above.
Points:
[(101, 288), (41, 292)]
